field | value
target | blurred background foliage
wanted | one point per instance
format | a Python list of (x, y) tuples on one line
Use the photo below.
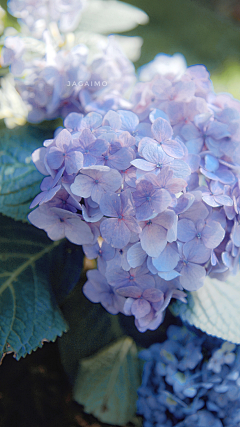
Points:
[(204, 31)]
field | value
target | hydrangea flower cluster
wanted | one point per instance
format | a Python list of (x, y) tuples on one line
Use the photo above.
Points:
[(154, 200), (186, 384), (37, 16), (62, 80)]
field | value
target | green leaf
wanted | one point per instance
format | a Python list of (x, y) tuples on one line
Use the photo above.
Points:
[(29, 314), (214, 308), (111, 16), (107, 382), (91, 328), (19, 179)]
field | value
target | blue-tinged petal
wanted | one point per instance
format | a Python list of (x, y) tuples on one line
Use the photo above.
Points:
[(145, 141), (129, 120), (167, 260), (153, 295), (212, 234), (73, 162), (173, 149), (129, 291), (224, 200), (218, 130), (55, 158), (211, 163), (91, 121), (143, 165), (127, 306), (73, 121), (63, 140), (192, 277), (115, 232), (82, 185), (162, 129), (38, 159), (184, 203), (180, 169), (186, 230), (93, 215), (155, 114), (136, 255), (209, 199), (195, 146), (150, 266), (110, 205), (196, 252), (153, 239), (78, 232), (225, 176), (121, 159), (91, 251), (197, 210), (189, 131), (235, 234), (168, 275), (140, 308), (112, 119), (165, 219)]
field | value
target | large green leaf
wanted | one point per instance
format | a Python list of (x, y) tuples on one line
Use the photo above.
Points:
[(19, 179), (214, 308), (29, 314), (107, 382)]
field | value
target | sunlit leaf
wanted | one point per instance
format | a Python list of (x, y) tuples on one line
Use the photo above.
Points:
[(106, 17), (107, 382), (214, 308), (29, 314)]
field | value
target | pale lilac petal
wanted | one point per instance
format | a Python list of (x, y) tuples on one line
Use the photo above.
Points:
[(55, 158), (168, 275), (63, 140), (115, 232), (186, 230), (173, 149), (129, 120), (192, 277), (167, 260), (212, 234), (153, 295), (38, 159), (73, 162), (143, 165), (140, 308), (196, 252), (82, 186), (129, 291), (161, 129), (136, 255), (153, 239)]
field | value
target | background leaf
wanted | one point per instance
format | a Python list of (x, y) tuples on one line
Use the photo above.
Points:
[(91, 328), (65, 269), (19, 179), (107, 382), (110, 16), (214, 308), (28, 310)]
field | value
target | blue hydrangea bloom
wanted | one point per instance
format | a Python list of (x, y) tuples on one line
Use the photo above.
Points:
[(186, 382)]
